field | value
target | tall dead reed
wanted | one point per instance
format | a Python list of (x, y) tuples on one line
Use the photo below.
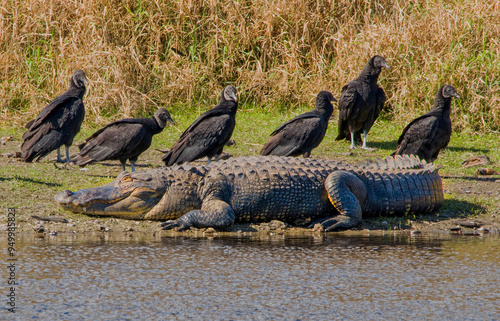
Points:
[(280, 54)]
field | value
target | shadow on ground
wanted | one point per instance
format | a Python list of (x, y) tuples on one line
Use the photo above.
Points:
[(31, 180), (452, 209), (491, 179), (389, 146), (467, 149)]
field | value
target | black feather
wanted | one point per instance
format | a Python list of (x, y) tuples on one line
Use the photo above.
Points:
[(123, 139), (426, 135), (58, 123), (300, 135), (361, 101), (208, 134)]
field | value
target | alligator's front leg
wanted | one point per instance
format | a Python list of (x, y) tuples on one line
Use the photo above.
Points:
[(214, 213), (347, 193)]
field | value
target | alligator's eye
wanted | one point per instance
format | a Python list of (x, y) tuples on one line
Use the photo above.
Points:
[(144, 192), (126, 178)]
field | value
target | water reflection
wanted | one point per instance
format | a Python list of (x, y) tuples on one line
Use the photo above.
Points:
[(322, 277)]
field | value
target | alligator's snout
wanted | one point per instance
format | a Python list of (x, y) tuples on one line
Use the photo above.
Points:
[(123, 197), (64, 196)]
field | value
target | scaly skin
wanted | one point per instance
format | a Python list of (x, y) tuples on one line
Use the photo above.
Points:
[(260, 188)]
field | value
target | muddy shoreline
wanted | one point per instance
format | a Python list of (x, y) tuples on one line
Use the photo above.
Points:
[(79, 224)]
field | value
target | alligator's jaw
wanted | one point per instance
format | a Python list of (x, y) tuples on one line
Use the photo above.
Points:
[(109, 202)]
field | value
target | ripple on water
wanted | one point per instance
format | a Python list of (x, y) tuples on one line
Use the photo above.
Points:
[(336, 278)]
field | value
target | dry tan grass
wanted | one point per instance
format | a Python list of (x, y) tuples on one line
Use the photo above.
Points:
[(279, 53)]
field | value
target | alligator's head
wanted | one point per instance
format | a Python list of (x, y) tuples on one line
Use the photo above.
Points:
[(130, 195)]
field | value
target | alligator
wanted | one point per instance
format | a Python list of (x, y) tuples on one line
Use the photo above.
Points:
[(263, 188)]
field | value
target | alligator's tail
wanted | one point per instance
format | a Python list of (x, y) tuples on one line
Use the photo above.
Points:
[(396, 193), (356, 194), (393, 162)]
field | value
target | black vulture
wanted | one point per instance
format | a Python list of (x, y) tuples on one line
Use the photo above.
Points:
[(426, 135), (123, 139), (208, 134), (300, 135), (57, 124), (360, 103)]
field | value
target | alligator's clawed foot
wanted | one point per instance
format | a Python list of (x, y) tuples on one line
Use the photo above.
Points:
[(330, 225), (174, 225), (338, 223)]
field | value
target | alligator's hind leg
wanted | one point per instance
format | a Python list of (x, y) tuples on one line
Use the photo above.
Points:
[(213, 213), (347, 193)]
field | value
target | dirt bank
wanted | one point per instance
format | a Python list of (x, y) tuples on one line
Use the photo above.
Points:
[(472, 202)]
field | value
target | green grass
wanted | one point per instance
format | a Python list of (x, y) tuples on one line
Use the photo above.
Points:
[(31, 187), (253, 127), (277, 54)]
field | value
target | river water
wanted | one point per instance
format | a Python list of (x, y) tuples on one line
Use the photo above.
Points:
[(357, 276)]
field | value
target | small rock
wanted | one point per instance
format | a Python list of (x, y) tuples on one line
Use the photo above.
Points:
[(472, 232), (415, 232), (302, 221), (104, 229), (483, 230), (210, 230), (129, 229), (52, 218), (53, 233), (277, 225), (487, 171), (318, 227), (4, 140), (476, 161), (473, 224), (39, 228)]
